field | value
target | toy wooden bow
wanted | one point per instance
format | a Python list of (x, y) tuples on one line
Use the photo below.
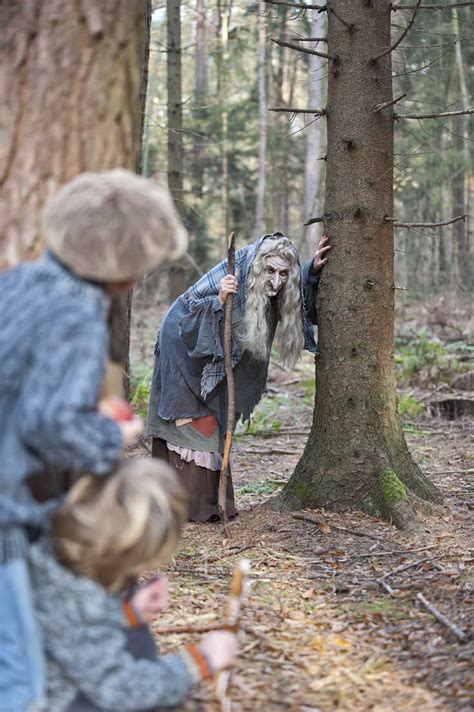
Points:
[(237, 597)]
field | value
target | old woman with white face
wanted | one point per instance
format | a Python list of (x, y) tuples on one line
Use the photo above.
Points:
[(274, 299)]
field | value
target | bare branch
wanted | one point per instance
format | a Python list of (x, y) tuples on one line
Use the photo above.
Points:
[(386, 104), (433, 7), (404, 33), (312, 221), (302, 49), (291, 110), (460, 634), (296, 5), (341, 20), (433, 116), (438, 224), (310, 39)]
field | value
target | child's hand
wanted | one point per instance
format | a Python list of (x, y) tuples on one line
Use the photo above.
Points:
[(151, 598), (131, 430), (119, 410), (220, 649)]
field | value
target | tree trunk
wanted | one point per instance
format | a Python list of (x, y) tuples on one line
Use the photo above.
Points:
[(356, 455), (224, 8), (461, 182), (312, 169), (72, 89), (177, 272), (262, 105)]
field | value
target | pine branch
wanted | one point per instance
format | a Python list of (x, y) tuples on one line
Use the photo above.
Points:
[(291, 110), (386, 104), (402, 36), (302, 49), (296, 5), (433, 116), (433, 7), (438, 224)]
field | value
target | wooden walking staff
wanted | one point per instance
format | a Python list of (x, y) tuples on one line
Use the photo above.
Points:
[(229, 373), (238, 594)]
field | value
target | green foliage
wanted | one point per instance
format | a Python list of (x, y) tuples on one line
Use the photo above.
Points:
[(393, 489), (140, 383), (308, 386), (379, 606), (266, 487), (425, 359), (409, 407), (264, 418)]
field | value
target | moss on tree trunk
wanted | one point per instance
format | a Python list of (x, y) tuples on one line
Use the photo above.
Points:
[(356, 433)]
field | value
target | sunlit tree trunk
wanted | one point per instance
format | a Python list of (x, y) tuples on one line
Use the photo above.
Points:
[(224, 10), (356, 455), (461, 182), (72, 89), (262, 107), (177, 273), (312, 169)]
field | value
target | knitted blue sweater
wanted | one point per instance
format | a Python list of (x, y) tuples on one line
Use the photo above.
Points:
[(53, 350)]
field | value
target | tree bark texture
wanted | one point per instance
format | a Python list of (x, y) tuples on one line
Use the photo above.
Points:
[(262, 109), (356, 432), (71, 75), (312, 169), (177, 272), (224, 9), (72, 86)]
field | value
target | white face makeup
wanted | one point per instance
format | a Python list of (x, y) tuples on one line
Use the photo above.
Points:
[(277, 270)]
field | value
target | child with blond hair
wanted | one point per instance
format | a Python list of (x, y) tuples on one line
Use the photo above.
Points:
[(107, 533)]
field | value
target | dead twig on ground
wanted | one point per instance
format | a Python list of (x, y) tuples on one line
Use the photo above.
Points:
[(460, 634), (317, 520)]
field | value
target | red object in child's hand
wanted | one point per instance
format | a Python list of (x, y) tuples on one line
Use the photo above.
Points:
[(116, 408)]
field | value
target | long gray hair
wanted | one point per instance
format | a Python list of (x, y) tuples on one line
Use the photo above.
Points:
[(258, 330)]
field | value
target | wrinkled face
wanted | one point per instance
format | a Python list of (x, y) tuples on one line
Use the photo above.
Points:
[(277, 270)]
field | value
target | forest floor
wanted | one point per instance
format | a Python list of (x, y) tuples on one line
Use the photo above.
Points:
[(319, 631)]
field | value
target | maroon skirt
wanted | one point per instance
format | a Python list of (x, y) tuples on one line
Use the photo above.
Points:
[(201, 484)]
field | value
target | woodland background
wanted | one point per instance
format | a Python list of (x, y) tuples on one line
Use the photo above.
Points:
[(334, 620)]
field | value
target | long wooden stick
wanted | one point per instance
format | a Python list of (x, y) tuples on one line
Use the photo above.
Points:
[(237, 598), (221, 500)]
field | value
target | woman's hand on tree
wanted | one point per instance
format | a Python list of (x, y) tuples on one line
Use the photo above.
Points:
[(227, 286), (320, 258)]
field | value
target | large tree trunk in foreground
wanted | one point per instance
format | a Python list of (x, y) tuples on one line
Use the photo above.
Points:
[(71, 86), (356, 455)]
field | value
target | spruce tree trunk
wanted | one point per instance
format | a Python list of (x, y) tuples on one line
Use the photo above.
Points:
[(356, 455), (312, 169), (262, 110), (177, 272), (72, 81)]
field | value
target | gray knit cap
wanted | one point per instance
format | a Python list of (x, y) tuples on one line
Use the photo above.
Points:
[(113, 226)]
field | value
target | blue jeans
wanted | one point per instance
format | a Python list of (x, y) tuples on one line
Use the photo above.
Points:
[(22, 665)]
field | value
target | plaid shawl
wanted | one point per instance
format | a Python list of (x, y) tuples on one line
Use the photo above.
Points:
[(197, 296)]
